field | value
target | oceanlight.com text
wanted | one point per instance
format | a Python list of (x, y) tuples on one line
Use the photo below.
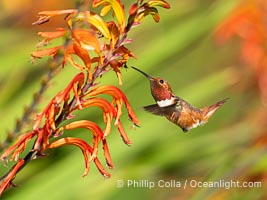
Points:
[(140, 183)]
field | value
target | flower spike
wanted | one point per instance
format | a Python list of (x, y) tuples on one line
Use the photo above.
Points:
[(93, 46)]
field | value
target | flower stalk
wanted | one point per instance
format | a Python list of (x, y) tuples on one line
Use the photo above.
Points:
[(98, 55)]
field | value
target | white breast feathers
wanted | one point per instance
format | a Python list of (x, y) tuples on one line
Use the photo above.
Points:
[(167, 102)]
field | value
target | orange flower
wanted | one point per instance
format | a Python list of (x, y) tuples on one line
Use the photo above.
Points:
[(118, 59), (6, 181), (20, 146), (117, 9), (119, 98), (52, 108), (97, 136), (46, 15), (148, 8), (96, 21), (87, 40), (86, 150), (46, 52), (84, 40), (48, 36), (82, 54), (109, 113)]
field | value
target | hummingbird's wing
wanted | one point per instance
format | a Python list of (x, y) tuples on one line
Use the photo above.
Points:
[(162, 111), (154, 109), (172, 113)]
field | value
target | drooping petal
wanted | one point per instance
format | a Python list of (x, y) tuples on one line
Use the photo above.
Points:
[(101, 169), (108, 110), (107, 154), (83, 55), (86, 150), (93, 127), (119, 96), (77, 142), (124, 136), (109, 113)]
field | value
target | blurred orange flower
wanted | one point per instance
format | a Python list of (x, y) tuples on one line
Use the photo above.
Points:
[(248, 22)]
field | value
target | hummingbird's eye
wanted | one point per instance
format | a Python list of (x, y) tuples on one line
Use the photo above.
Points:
[(161, 81)]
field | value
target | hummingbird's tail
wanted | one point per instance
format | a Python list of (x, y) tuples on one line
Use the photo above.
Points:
[(210, 110)]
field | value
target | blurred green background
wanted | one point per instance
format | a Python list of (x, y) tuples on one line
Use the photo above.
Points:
[(180, 49)]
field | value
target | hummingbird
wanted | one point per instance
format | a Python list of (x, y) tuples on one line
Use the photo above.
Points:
[(174, 108)]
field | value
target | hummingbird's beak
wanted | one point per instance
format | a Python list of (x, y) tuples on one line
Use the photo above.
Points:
[(145, 74)]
